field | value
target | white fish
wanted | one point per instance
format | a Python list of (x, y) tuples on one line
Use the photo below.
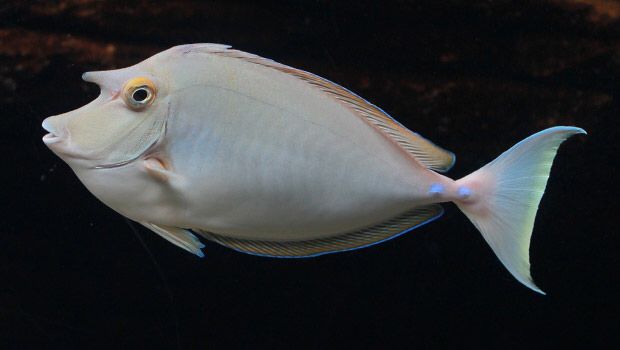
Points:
[(271, 160)]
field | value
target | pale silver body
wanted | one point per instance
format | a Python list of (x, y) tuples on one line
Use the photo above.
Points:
[(260, 154), (263, 161)]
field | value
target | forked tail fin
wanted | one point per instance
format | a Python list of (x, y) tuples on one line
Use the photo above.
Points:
[(501, 198)]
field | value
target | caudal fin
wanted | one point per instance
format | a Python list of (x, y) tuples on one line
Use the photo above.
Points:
[(501, 199)]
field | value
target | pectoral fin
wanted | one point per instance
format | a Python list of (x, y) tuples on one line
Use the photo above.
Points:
[(157, 169), (178, 236)]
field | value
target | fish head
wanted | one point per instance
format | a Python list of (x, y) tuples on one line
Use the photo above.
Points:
[(121, 124), (118, 144)]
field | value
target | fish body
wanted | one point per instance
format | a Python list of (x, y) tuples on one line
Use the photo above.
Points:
[(275, 161)]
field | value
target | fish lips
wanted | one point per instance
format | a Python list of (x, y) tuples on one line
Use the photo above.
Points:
[(53, 136), (57, 139)]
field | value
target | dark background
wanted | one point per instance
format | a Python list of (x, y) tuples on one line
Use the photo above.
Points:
[(473, 76)]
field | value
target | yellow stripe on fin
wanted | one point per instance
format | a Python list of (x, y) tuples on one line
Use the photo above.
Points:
[(347, 241), (423, 150)]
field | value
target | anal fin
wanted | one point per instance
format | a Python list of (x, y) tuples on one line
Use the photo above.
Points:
[(180, 237), (347, 241)]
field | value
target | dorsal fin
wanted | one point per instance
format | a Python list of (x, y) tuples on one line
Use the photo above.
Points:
[(427, 153), (347, 241)]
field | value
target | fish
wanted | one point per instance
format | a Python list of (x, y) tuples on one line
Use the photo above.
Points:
[(206, 143)]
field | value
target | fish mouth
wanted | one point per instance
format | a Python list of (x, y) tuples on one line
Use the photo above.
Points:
[(51, 136), (58, 142)]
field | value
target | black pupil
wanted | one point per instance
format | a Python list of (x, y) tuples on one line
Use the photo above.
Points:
[(140, 95)]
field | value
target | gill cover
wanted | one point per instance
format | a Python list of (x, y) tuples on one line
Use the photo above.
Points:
[(124, 122)]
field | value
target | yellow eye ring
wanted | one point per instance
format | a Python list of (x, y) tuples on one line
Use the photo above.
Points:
[(139, 93)]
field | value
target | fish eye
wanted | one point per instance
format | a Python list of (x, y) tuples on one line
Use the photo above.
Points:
[(139, 93)]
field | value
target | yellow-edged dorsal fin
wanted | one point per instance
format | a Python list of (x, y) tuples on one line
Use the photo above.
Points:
[(423, 150)]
